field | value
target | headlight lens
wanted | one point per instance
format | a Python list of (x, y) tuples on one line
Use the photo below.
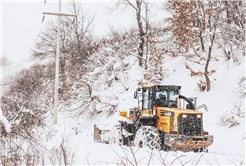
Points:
[(184, 116), (199, 116)]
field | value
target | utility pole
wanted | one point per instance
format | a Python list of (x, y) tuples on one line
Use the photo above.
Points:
[(57, 58)]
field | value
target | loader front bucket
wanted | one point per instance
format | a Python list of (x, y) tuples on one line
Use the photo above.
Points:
[(187, 143), (102, 133)]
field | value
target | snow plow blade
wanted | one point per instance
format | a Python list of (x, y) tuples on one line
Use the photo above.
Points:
[(102, 133), (188, 143)]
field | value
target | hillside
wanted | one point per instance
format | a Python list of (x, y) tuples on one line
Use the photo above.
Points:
[(75, 133), (198, 45), (227, 149)]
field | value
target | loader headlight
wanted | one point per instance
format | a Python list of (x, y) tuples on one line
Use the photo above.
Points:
[(199, 116), (184, 116)]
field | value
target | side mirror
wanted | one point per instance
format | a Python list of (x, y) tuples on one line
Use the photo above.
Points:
[(135, 94)]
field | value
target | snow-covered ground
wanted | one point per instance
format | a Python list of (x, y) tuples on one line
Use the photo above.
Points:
[(229, 143)]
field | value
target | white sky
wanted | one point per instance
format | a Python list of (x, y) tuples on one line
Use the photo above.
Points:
[(21, 23)]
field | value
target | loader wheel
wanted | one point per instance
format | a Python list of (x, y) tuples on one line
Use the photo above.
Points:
[(116, 136), (147, 136), (166, 148)]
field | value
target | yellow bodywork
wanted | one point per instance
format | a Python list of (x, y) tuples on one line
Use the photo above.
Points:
[(124, 114), (164, 123), (147, 112), (146, 86)]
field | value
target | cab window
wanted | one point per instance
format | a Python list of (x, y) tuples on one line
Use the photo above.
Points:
[(165, 99), (146, 99), (171, 94), (160, 93)]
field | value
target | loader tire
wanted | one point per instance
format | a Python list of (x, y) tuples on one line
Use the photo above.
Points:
[(147, 136), (116, 135)]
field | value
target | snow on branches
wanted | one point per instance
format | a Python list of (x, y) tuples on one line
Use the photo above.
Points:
[(194, 24), (154, 65), (5, 123)]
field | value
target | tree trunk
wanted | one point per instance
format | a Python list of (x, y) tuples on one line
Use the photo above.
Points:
[(206, 70), (207, 62), (141, 33), (202, 43)]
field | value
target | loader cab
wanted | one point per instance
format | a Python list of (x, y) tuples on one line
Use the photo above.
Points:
[(157, 96)]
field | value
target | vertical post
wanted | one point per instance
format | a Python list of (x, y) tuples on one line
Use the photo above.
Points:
[(57, 58), (57, 68)]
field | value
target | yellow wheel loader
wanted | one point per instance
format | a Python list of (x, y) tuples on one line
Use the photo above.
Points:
[(164, 120)]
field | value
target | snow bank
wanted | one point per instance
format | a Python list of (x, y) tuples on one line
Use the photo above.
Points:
[(5, 122)]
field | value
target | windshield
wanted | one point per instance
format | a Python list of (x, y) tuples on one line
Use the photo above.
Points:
[(165, 98)]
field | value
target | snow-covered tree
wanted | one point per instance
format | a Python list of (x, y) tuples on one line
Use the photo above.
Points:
[(106, 77), (26, 102), (232, 30), (76, 44), (141, 9), (195, 25), (154, 69)]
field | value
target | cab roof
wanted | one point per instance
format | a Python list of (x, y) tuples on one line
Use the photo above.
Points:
[(148, 86)]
